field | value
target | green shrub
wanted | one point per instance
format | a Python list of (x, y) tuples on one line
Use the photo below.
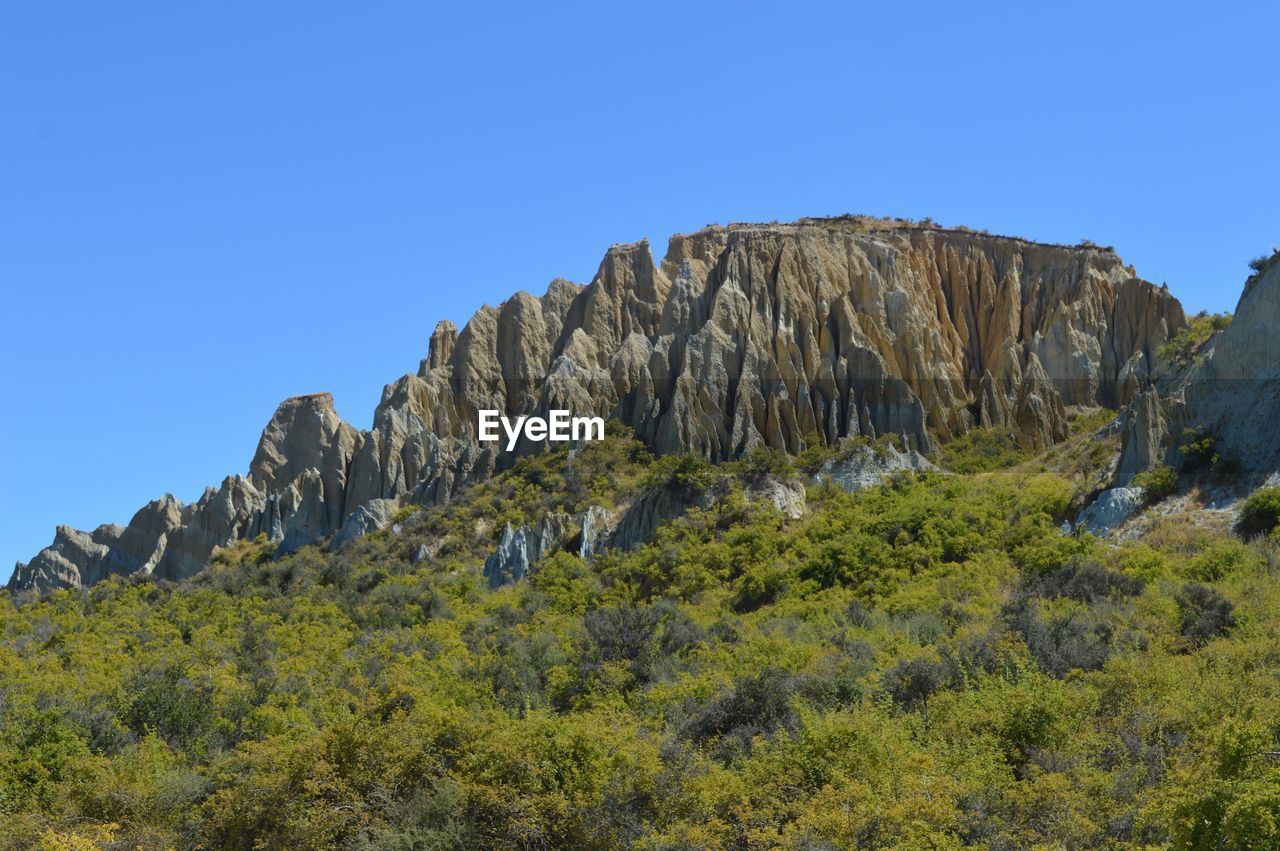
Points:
[(763, 464), (1088, 582), (1199, 450), (1259, 264), (739, 680), (640, 638), (1089, 421), (681, 472), (1260, 513), (1144, 562), (568, 584), (1219, 559), (813, 456), (169, 703), (911, 682), (1156, 483), (1205, 614), (1061, 644), (759, 586), (1186, 344), (982, 451), (756, 706)]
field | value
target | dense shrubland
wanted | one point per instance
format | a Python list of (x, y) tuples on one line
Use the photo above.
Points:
[(928, 664)]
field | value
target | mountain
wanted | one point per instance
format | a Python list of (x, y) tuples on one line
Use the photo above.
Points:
[(747, 336), (784, 629)]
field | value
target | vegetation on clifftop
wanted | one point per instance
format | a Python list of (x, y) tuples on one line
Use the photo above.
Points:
[(1187, 343)]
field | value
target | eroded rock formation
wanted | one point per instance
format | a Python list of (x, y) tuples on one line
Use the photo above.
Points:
[(865, 467), (1231, 394), (742, 337), (521, 547)]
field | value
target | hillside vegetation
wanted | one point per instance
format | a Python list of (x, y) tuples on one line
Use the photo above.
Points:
[(930, 663)]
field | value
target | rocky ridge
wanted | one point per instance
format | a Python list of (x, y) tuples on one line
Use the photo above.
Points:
[(743, 336)]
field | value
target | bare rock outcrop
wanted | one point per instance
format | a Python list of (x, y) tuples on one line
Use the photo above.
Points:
[(1111, 508), (743, 336), (776, 335), (307, 434), (1232, 393), (1143, 436), (1235, 394), (640, 520), (304, 511), (74, 559), (77, 559), (864, 467), (218, 518), (440, 349), (370, 517), (787, 496), (521, 547), (597, 527)]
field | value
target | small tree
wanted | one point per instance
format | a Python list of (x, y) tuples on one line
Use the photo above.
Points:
[(1199, 449)]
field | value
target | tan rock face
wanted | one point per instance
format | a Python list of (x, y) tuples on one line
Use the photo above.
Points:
[(777, 335), (743, 336), (440, 350), (306, 433), (233, 511)]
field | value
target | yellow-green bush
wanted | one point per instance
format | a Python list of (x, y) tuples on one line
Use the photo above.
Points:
[(929, 663)]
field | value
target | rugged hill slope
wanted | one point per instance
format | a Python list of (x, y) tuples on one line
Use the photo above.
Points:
[(744, 336), (928, 663)]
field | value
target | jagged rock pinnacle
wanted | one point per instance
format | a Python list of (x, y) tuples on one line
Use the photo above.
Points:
[(743, 336)]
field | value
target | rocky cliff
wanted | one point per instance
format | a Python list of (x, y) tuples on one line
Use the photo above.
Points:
[(743, 336), (1232, 393)]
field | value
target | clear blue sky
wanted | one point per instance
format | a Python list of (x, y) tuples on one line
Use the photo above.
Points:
[(208, 207)]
